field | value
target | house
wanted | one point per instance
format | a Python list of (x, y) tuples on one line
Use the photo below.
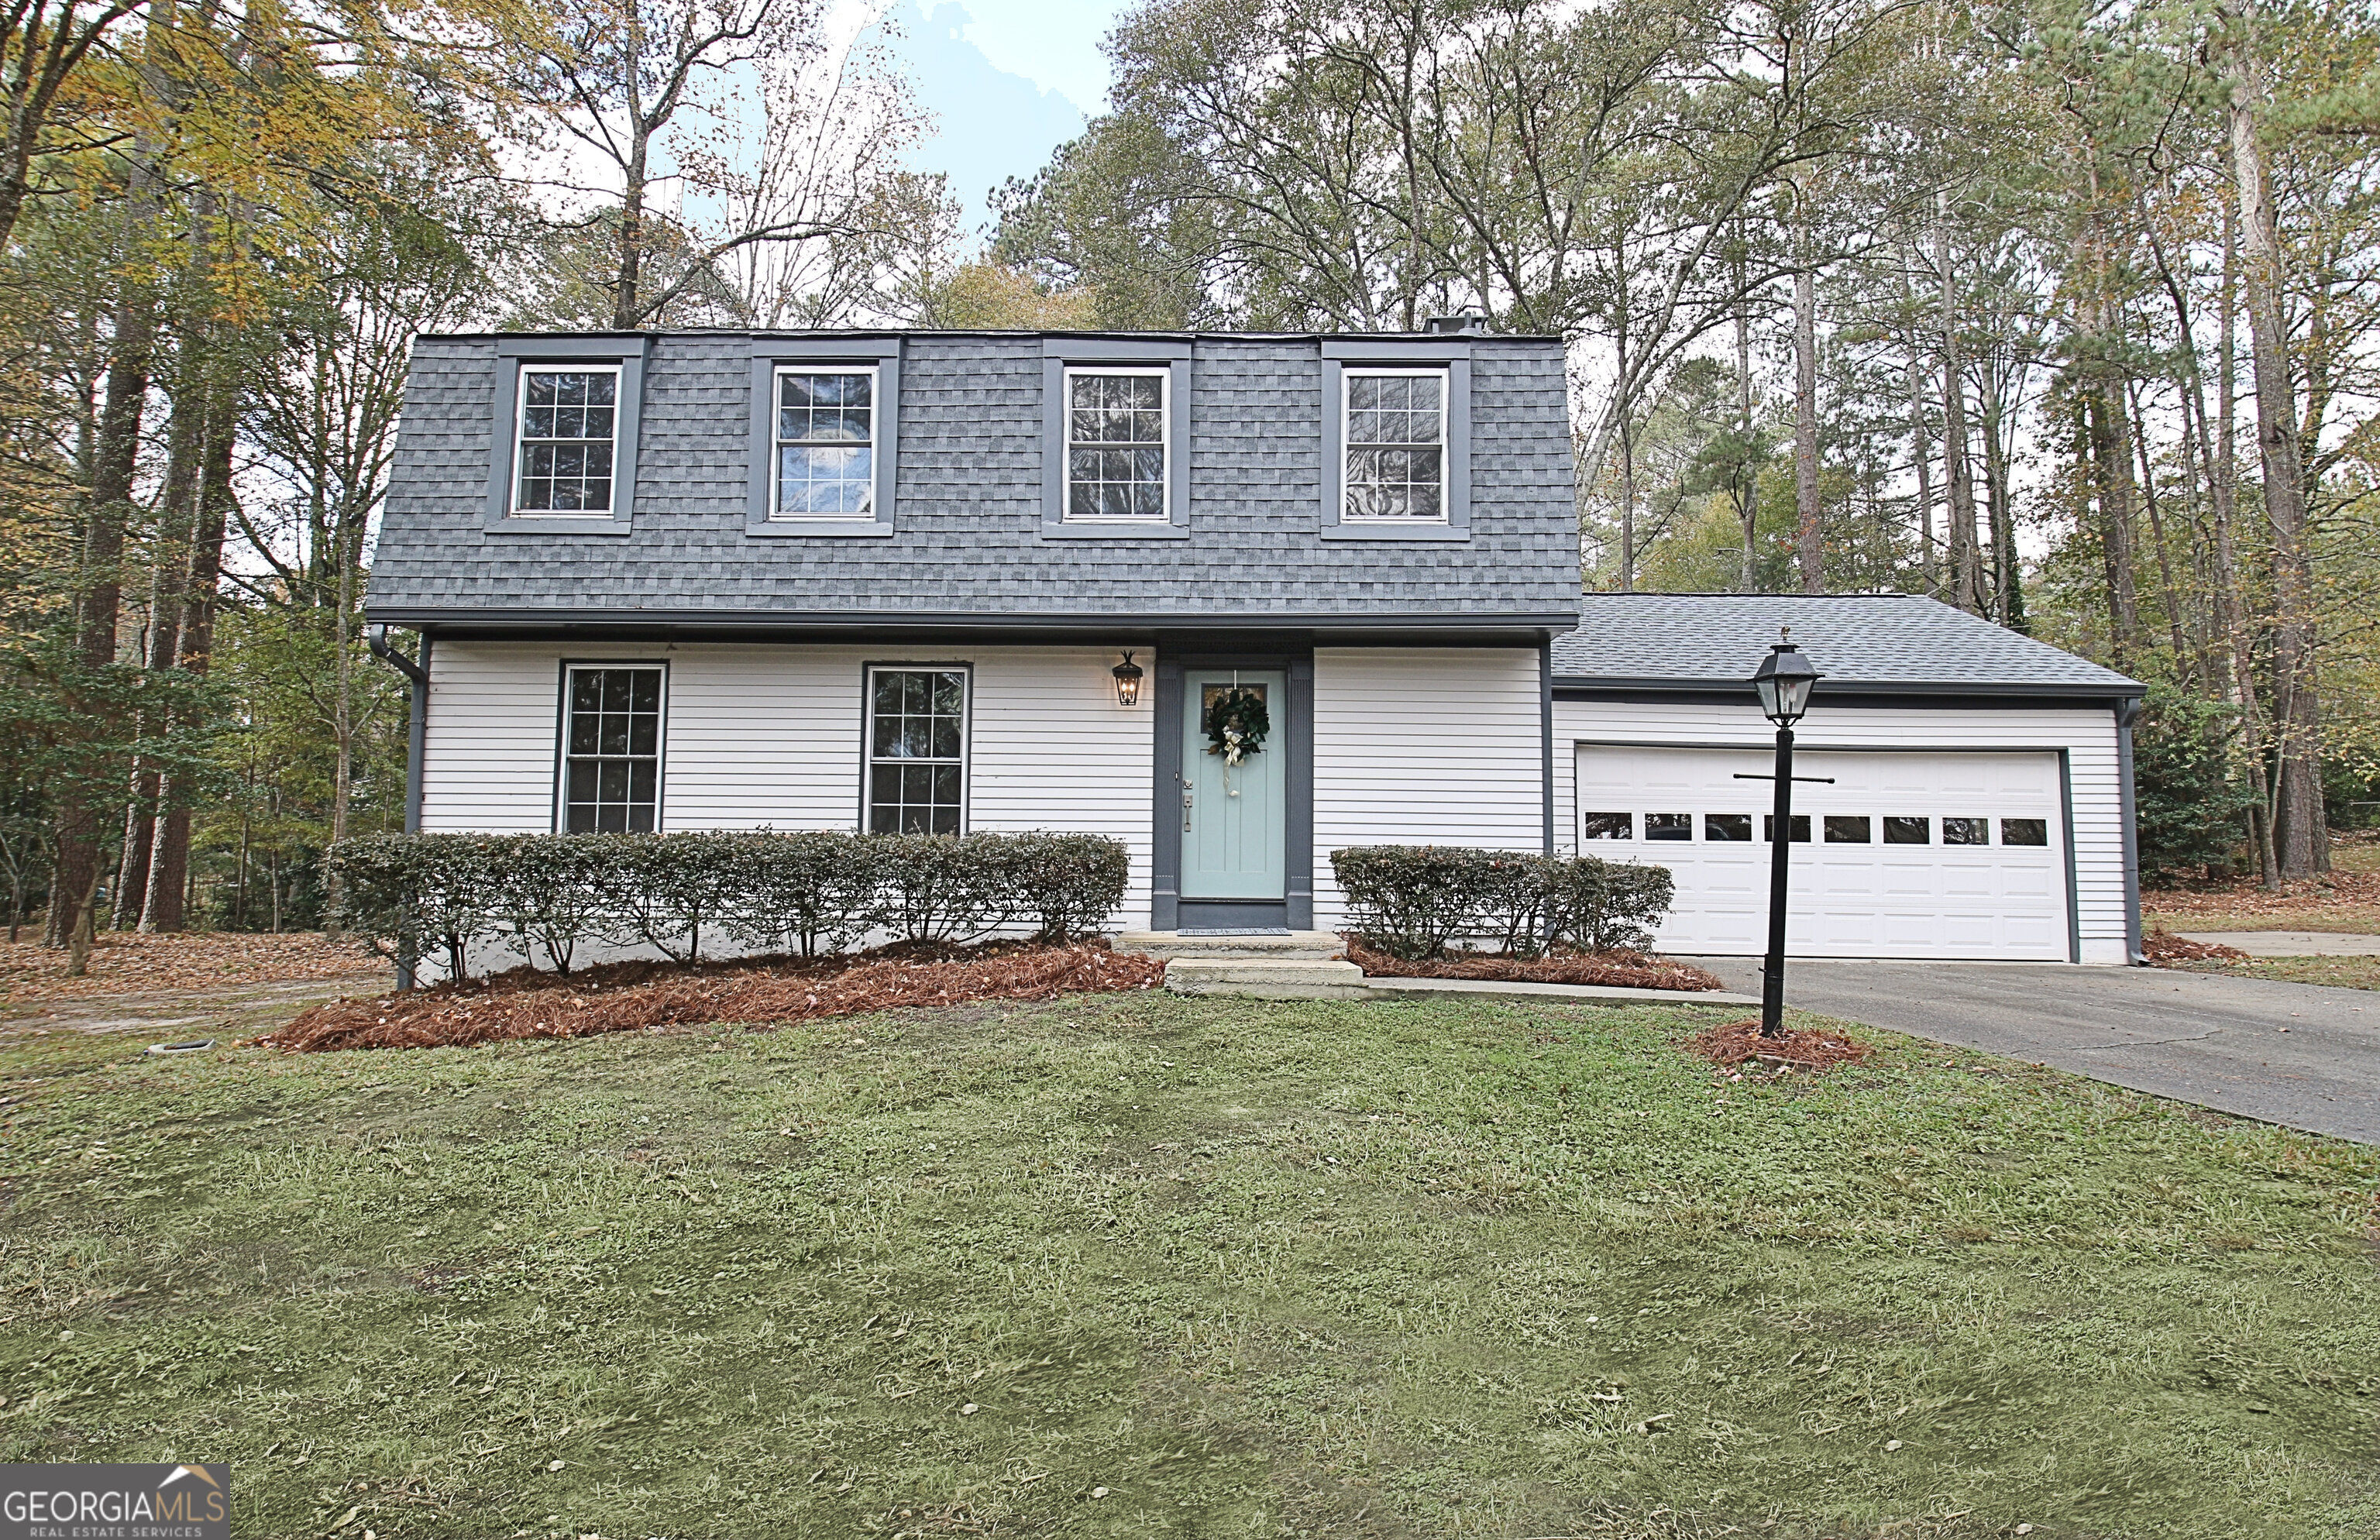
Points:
[(952, 580)]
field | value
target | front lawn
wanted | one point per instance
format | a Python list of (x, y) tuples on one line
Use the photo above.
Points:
[(1142, 1265), (2342, 973)]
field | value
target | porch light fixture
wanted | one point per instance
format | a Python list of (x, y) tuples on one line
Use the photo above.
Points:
[(1783, 680), (1128, 677)]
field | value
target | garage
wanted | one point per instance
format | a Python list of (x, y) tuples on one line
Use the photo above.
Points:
[(1969, 792), (1943, 854)]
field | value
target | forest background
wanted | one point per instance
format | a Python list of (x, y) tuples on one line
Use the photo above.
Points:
[(2058, 312)]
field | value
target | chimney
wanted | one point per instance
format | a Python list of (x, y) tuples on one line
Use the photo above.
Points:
[(1462, 323)]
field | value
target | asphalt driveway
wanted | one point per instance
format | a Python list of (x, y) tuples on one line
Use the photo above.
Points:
[(2297, 1054)]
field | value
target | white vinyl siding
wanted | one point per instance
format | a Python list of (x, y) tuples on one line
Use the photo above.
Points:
[(770, 735), (1424, 746), (2087, 734)]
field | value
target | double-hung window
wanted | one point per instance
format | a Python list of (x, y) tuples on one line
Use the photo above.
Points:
[(569, 426), (825, 432), (917, 750), (1117, 445), (564, 422), (611, 748), (1396, 446)]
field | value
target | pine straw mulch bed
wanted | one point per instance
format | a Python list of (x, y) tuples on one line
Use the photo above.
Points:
[(2165, 950), (1626, 970), (1735, 1043), (632, 997), (125, 962)]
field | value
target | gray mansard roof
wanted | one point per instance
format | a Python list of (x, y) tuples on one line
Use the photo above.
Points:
[(967, 548), (1863, 643)]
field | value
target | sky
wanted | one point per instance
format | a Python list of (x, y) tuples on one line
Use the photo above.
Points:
[(1007, 82)]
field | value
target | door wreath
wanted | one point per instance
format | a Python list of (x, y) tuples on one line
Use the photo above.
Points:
[(1236, 724)]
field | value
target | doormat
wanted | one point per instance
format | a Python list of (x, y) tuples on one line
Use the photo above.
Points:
[(1239, 930)]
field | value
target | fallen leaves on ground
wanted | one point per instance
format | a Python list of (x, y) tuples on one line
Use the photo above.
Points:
[(126, 962), (1733, 1043), (2165, 950), (654, 995), (2345, 888), (1626, 970)]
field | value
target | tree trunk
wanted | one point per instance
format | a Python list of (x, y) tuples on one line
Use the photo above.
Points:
[(2300, 833), (99, 587), (170, 869), (2008, 577), (1965, 568), (2229, 592), (2112, 478), (2171, 593), (343, 720), (1811, 548), (1746, 488)]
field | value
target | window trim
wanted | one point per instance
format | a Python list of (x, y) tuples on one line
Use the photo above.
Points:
[(559, 818), (625, 352), (1393, 355), (1064, 356), (771, 356), (1164, 378), (1445, 437), (520, 425), (778, 373), (868, 673)]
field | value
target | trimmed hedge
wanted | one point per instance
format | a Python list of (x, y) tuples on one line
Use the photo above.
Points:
[(1411, 901), (807, 893)]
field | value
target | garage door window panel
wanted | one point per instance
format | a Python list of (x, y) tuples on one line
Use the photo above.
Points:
[(2025, 832), (1728, 828), (1607, 826), (1798, 832), (1668, 826), (1846, 829), (1966, 832), (1908, 831)]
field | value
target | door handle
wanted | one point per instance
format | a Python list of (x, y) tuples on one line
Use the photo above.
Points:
[(1185, 809)]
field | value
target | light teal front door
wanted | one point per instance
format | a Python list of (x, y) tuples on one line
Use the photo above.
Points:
[(1233, 817)]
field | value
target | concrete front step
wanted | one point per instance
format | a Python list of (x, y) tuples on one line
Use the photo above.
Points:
[(1312, 944), (1267, 977)]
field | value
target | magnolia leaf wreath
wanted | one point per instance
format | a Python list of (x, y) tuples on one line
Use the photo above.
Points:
[(1236, 724)]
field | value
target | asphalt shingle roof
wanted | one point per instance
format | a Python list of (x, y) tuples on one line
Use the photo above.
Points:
[(969, 501), (1856, 640)]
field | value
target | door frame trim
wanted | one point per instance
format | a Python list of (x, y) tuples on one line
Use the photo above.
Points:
[(1176, 656)]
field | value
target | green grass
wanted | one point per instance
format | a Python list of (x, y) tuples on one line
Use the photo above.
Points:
[(1200, 1268), (2343, 973)]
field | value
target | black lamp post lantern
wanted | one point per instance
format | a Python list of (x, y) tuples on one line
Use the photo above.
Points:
[(1127, 681), (1784, 681)]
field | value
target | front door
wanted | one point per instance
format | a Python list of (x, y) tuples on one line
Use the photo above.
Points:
[(1234, 818)]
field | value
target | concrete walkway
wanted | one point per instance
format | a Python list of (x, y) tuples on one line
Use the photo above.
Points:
[(2290, 943), (2296, 1054)]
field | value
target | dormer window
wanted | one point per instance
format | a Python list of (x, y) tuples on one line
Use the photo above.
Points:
[(565, 429), (1396, 446), (826, 444), (569, 426), (1116, 445)]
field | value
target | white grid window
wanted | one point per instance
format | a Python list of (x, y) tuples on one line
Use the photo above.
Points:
[(917, 750), (1116, 444), (826, 444), (570, 421), (612, 751), (1396, 444)]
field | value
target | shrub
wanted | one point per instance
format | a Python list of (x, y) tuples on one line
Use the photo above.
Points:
[(548, 896), (1411, 901), (1070, 883), (812, 892)]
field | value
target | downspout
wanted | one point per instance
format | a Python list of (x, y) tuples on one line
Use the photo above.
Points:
[(2128, 712), (417, 682), (1546, 733)]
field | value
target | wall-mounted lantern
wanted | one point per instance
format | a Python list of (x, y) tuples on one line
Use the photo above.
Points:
[(1128, 677)]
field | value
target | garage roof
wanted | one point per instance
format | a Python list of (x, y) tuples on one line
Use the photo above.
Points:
[(1863, 643)]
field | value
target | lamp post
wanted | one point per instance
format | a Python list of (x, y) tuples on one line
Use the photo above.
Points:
[(1783, 680)]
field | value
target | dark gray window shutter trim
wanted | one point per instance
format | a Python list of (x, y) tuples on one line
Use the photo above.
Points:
[(1059, 354), (881, 353), (628, 351), (1455, 359)]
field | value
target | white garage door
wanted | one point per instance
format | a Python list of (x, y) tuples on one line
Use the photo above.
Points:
[(1920, 853)]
